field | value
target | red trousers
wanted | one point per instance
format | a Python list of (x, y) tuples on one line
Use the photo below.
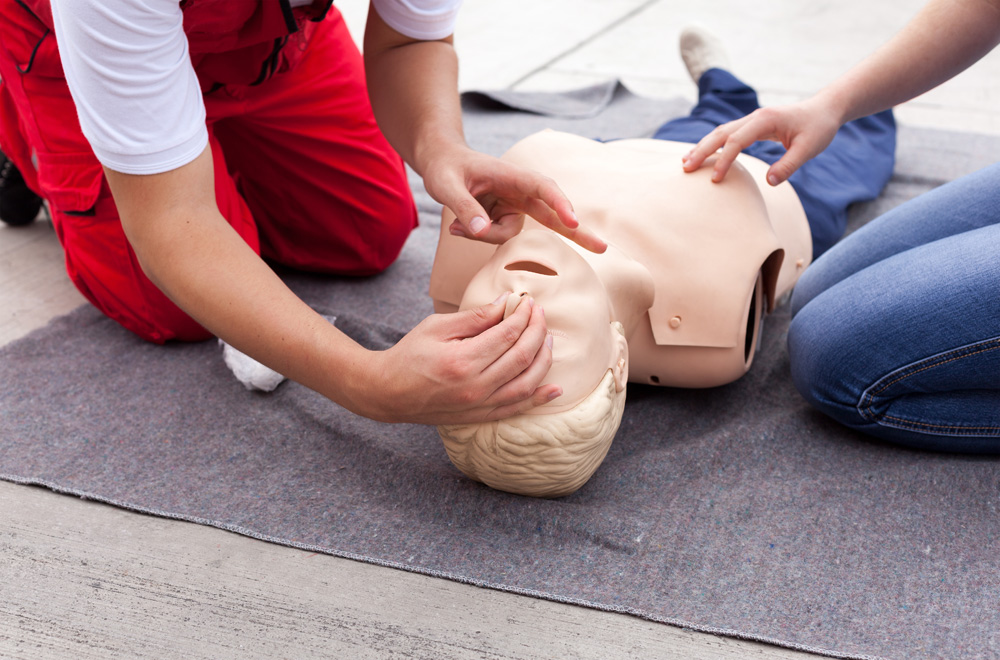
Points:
[(302, 171)]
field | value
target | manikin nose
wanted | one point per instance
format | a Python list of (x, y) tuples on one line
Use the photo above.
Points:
[(520, 294), (513, 301)]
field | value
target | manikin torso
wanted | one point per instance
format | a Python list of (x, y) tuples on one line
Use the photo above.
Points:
[(717, 255)]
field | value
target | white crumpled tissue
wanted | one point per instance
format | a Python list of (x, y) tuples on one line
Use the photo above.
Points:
[(254, 375)]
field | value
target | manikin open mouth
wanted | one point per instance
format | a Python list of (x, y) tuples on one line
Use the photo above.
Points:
[(531, 267)]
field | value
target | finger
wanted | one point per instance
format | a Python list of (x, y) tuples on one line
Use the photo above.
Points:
[(725, 159), (473, 322), (522, 352), (546, 203), (761, 128), (541, 396), (588, 239), (535, 190), (499, 232), (504, 227), (552, 195), (469, 213), (581, 235), (709, 144), (798, 153), (781, 170), (576, 232), (495, 341), (524, 386)]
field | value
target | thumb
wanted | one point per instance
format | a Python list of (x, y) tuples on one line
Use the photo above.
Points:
[(780, 171), (787, 165), (473, 220), (801, 149), (476, 320)]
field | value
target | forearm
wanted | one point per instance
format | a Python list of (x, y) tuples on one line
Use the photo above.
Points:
[(225, 286), (945, 38), (192, 254), (413, 86)]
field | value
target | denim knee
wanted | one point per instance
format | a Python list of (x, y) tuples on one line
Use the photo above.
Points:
[(817, 365), (942, 402)]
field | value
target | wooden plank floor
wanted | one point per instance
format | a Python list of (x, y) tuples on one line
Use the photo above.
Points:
[(83, 580)]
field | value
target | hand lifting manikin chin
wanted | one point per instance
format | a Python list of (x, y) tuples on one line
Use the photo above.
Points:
[(691, 267)]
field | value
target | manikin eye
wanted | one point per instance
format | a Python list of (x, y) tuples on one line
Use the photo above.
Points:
[(531, 267)]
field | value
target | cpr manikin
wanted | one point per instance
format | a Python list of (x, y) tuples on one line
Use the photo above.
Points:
[(677, 300)]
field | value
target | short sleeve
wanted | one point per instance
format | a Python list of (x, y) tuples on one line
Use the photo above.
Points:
[(129, 72), (420, 19)]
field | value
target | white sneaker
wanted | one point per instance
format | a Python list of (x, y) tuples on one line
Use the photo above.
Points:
[(701, 50), (254, 375)]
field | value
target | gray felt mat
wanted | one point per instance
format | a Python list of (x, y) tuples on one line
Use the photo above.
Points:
[(736, 510)]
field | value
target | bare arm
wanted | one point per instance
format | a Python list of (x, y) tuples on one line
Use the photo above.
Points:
[(413, 87), (191, 253), (945, 38), (470, 366)]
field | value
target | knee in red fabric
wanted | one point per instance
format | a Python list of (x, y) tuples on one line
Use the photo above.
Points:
[(103, 266), (396, 216), (328, 192), (355, 222)]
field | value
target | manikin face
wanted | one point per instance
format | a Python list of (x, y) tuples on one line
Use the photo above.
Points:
[(578, 313)]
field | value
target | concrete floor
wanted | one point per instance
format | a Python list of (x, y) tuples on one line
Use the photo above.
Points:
[(84, 580)]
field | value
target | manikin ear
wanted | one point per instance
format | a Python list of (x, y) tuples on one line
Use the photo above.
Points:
[(619, 352)]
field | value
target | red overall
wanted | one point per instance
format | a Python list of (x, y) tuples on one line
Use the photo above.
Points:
[(302, 171)]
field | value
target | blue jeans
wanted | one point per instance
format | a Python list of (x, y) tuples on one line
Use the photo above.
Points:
[(854, 168), (896, 330)]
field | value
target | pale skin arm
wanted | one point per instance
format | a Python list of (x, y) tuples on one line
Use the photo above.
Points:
[(944, 39), (464, 367), (413, 86)]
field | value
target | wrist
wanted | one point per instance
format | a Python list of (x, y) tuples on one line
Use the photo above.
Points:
[(341, 370), (358, 384), (840, 103), (826, 110), (434, 148)]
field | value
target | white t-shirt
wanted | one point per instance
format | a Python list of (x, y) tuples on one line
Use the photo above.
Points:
[(136, 93)]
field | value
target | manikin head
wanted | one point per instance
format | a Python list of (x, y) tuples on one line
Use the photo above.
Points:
[(591, 302)]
